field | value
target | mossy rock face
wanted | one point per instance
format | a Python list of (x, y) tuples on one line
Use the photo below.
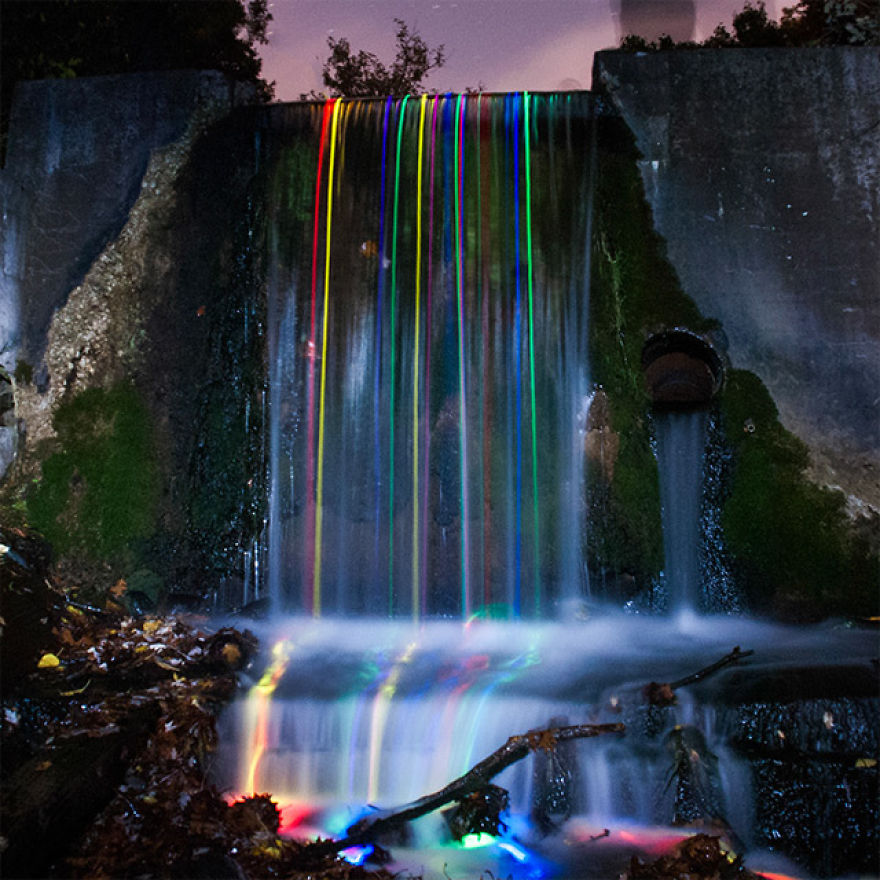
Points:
[(793, 545), (634, 290), (793, 550), (98, 492)]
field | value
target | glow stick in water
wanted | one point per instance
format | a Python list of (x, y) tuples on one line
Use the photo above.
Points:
[(536, 535), (462, 424), (319, 495), (517, 359), (415, 476), (426, 453), (377, 366), (393, 331), (484, 222), (379, 717), (310, 354)]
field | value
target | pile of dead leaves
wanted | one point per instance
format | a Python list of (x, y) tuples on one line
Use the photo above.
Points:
[(701, 857), (108, 730)]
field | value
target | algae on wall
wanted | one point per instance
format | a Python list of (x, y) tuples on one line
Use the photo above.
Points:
[(792, 549), (153, 362), (98, 493), (633, 292), (795, 551)]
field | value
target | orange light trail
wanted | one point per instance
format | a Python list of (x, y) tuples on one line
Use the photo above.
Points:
[(257, 711), (381, 705)]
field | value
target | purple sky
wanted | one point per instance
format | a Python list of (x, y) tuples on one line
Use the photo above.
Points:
[(505, 45)]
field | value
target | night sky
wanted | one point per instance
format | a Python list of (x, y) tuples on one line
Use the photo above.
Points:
[(501, 45)]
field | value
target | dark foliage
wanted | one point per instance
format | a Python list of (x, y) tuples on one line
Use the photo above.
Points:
[(807, 23), (68, 38), (362, 75)]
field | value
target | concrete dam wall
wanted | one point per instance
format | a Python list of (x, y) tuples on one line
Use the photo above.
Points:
[(762, 169)]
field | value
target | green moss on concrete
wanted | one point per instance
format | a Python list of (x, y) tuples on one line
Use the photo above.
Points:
[(97, 494), (791, 541), (634, 291)]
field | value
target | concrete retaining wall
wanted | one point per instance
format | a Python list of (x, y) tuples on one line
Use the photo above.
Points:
[(762, 167)]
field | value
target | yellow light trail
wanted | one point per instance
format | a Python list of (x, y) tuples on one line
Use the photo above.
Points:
[(257, 712), (319, 504)]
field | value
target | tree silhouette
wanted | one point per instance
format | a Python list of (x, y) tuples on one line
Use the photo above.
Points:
[(68, 38), (361, 74), (807, 23)]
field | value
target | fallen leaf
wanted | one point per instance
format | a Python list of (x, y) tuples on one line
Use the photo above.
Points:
[(44, 765), (48, 661), (231, 654), (159, 662), (118, 588), (150, 626), (77, 691), (66, 637)]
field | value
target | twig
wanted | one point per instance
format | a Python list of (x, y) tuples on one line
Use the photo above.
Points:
[(663, 693), (516, 748), (734, 656)]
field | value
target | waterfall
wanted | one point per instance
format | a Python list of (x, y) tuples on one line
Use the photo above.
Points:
[(428, 291), (681, 441), (427, 270)]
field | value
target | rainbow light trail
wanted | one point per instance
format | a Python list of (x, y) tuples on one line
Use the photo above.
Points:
[(429, 291), (400, 119), (415, 429), (319, 501), (379, 716), (535, 528), (377, 395), (462, 417), (311, 352), (517, 363), (258, 708)]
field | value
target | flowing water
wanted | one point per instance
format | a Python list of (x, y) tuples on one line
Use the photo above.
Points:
[(427, 343), (427, 271), (379, 712), (681, 440)]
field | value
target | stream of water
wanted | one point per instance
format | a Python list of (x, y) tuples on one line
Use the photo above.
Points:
[(428, 393)]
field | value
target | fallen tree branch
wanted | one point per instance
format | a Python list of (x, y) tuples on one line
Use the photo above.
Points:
[(735, 655), (663, 693), (516, 748)]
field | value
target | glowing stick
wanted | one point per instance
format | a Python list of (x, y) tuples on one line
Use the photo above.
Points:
[(319, 505), (377, 444), (462, 424), (517, 358), (415, 528), (426, 453), (257, 712), (310, 354), (527, 133), (393, 315)]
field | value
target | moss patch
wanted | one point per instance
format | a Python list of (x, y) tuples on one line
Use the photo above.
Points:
[(634, 290), (98, 493), (791, 540), (793, 549)]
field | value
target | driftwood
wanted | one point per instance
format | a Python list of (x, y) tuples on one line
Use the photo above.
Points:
[(517, 747), (663, 693)]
